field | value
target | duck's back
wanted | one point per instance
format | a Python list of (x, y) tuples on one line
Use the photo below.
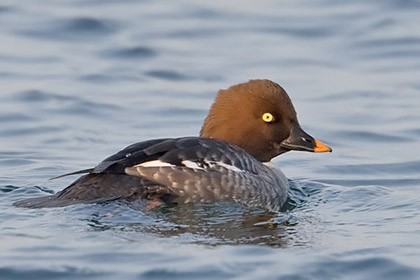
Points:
[(181, 170)]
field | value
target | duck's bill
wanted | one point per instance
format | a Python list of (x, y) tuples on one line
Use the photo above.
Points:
[(299, 140), (321, 147)]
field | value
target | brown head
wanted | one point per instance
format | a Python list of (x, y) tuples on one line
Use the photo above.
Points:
[(259, 117)]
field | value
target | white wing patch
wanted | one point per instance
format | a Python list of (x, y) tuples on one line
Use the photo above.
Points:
[(209, 164), (154, 163), (191, 164)]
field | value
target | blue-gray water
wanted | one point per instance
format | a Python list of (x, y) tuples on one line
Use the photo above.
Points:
[(80, 80)]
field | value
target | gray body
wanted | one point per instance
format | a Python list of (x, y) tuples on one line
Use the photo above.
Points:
[(181, 170)]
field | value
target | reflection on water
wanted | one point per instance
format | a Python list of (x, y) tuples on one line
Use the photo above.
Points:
[(201, 224), (206, 224)]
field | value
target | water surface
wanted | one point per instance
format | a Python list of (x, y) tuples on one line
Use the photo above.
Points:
[(80, 80)]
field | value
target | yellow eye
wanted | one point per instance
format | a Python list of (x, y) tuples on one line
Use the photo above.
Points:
[(267, 117)]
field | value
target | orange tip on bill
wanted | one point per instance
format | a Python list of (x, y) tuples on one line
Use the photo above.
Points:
[(321, 147)]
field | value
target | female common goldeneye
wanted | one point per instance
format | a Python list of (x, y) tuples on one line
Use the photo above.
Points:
[(248, 125)]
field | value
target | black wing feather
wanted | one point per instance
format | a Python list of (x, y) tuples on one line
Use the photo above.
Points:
[(108, 180), (176, 150)]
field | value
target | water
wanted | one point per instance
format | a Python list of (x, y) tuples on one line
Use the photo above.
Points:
[(81, 79)]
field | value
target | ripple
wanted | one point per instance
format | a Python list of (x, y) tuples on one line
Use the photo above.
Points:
[(6, 9), (83, 28), (130, 53), (406, 168), (194, 33), (62, 273), (15, 162), (354, 95), (413, 132), (5, 74), (84, 107), (181, 113), (109, 78), (167, 75), (367, 136), (388, 42), (8, 188), (362, 268), (301, 32), (62, 104), (29, 59), (378, 182), (35, 95), (409, 4), (87, 25), (392, 54), (17, 132), (15, 117), (297, 196), (98, 78), (198, 273)]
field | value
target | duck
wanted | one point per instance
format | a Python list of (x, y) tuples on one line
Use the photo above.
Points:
[(247, 126)]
